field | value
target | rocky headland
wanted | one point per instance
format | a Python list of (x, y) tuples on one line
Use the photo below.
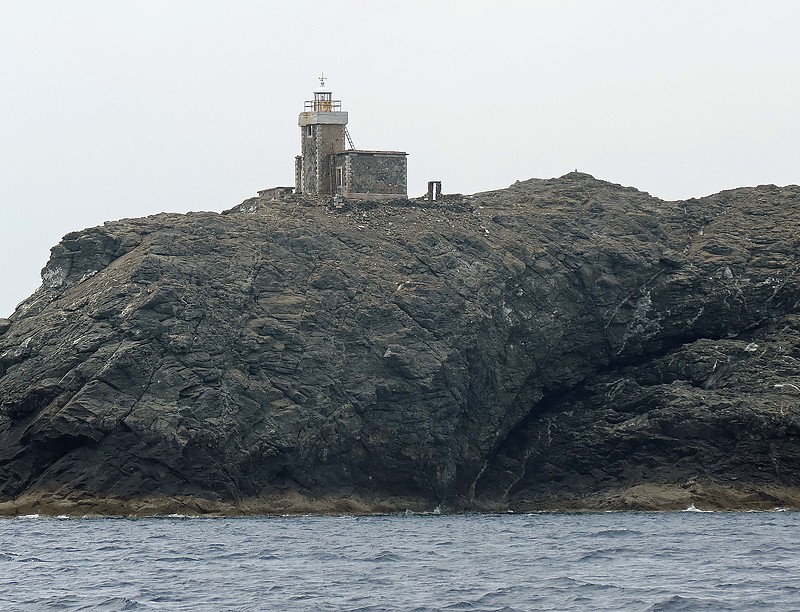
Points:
[(560, 344)]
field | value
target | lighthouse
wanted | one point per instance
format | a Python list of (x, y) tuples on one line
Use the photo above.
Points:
[(322, 134), (329, 164)]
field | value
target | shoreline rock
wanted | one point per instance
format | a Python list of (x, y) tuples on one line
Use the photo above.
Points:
[(639, 498)]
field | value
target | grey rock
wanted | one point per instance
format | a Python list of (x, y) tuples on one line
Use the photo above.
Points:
[(554, 344)]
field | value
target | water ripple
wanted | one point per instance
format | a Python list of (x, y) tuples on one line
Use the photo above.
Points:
[(618, 561)]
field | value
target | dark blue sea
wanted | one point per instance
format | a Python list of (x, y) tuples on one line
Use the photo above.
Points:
[(609, 561)]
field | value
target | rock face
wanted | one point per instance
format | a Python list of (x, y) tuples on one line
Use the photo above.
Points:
[(561, 343)]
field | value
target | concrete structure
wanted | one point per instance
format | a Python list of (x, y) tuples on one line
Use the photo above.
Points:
[(326, 167), (434, 190)]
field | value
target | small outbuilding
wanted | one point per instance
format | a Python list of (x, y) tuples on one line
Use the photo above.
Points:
[(370, 174)]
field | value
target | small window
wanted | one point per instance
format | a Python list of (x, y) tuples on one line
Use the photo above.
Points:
[(309, 131), (339, 176)]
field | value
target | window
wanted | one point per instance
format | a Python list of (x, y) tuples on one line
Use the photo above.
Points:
[(309, 131)]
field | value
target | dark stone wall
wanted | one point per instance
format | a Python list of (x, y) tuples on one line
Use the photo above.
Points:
[(378, 173), (325, 140)]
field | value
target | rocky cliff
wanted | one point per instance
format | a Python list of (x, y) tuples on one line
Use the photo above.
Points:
[(564, 343)]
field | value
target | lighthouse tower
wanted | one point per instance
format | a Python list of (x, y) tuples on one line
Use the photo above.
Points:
[(322, 133)]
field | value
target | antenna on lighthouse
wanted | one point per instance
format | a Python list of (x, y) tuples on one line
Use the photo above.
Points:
[(322, 79)]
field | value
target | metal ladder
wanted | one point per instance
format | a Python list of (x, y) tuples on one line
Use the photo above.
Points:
[(349, 140)]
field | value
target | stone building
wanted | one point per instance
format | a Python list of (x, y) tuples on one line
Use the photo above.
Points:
[(326, 166)]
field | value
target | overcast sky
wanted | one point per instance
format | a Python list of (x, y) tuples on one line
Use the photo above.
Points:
[(125, 108)]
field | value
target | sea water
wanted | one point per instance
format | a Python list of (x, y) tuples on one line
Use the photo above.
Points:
[(607, 561)]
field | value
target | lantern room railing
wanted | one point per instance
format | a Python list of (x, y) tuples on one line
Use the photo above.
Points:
[(323, 106), (322, 103)]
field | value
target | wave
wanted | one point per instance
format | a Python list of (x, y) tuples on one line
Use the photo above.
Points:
[(116, 603), (613, 533), (676, 603), (692, 508), (604, 554)]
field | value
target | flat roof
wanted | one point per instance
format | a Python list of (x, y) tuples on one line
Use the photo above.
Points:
[(366, 152)]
